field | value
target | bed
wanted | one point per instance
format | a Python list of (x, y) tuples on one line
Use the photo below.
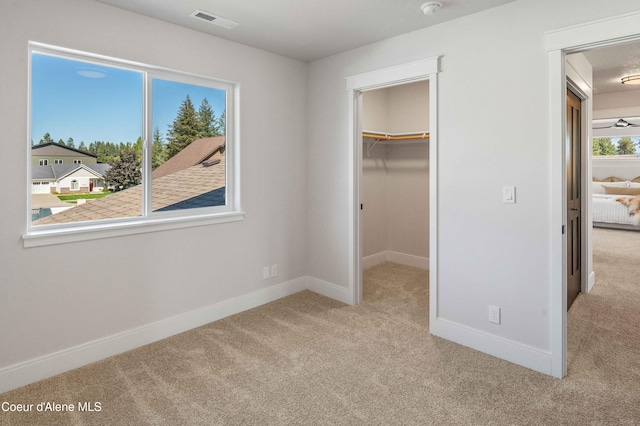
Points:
[(610, 213)]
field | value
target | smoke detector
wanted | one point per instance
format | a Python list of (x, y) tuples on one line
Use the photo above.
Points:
[(431, 7), (213, 19)]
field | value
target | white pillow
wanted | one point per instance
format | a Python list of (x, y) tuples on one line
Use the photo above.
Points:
[(598, 189)]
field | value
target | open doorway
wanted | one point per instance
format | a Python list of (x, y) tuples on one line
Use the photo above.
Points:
[(419, 71), (613, 159), (395, 190), (561, 43)]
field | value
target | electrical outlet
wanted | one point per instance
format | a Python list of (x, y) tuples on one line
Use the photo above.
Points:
[(265, 272), (274, 270), (494, 314)]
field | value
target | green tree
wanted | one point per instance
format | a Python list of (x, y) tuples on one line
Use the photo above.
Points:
[(207, 122), (82, 147), (603, 146), (61, 142), (626, 146), (124, 172), (222, 124), (70, 143), (46, 139), (183, 130), (137, 147), (158, 152)]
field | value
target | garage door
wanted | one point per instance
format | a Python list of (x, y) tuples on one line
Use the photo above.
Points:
[(40, 187)]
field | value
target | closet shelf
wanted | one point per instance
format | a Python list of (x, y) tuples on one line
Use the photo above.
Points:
[(392, 138)]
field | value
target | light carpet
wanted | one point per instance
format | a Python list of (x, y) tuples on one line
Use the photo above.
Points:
[(309, 360)]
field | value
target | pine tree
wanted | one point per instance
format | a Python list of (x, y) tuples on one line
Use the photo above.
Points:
[(183, 130), (46, 139), (207, 122), (82, 147), (158, 152), (603, 146), (222, 124), (137, 147), (626, 146), (70, 143), (61, 142)]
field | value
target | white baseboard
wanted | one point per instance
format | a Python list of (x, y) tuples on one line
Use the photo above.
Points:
[(24, 373), (488, 343), (408, 259), (591, 281), (397, 257), (330, 290), (374, 259)]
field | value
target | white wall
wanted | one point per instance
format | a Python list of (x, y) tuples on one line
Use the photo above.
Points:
[(408, 198), (617, 103), (375, 215), (493, 114), (623, 168), (409, 107), (142, 279)]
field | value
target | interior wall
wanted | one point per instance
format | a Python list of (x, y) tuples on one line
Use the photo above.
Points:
[(57, 297), (409, 107), (408, 199), (395, 179), (615, 101), (493, 131)]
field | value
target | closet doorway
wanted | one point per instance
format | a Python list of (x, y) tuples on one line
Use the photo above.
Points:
[(395, 177), (425, 70)]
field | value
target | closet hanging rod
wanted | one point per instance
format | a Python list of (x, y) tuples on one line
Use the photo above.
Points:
[(395, 136)]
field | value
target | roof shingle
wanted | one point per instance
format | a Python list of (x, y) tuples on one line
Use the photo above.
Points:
[(193, 187)]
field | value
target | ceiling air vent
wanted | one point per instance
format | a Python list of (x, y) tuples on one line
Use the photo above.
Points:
[(213, 19)]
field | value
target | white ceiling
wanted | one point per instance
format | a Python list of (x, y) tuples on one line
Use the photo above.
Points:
[(304, 29), (610, 64), (308, 30)]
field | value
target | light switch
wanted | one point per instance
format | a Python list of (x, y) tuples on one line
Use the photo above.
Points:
[(509, 194)]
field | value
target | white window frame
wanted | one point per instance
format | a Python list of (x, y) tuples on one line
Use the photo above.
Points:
[(43, 162), (58, 161), (148, 221), (77, 161), (74, 185)]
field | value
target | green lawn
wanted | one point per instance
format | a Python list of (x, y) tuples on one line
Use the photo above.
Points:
[(82, 196)]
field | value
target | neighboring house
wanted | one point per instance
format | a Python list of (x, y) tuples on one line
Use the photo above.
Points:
[(52, 153), (196, 152), (68, 178), (201, 185), (195, 177)]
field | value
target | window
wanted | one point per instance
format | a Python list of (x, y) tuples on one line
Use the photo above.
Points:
[(616, 147), (44, 162), (57, 161), (616, 138), (163, 140)]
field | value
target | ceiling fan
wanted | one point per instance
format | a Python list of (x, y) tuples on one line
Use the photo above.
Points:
[(620, 124)]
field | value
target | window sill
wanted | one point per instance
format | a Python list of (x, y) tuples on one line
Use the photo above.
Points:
[(37, 238)]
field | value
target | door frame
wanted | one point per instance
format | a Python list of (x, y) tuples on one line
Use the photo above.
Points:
[(423, 70), (605, 32)]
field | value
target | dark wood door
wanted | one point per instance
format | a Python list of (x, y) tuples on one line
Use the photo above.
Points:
[(574, 189)]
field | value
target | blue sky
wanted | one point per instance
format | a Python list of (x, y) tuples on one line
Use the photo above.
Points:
[(90, 102)]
